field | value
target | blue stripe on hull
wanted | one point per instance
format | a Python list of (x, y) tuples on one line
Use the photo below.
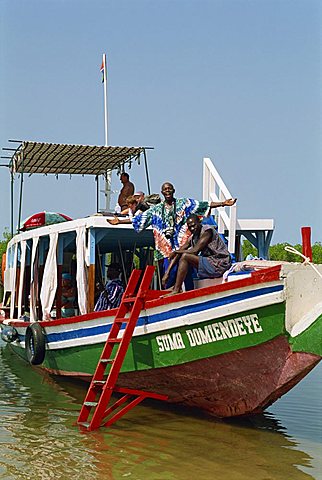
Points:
[(167, 315)]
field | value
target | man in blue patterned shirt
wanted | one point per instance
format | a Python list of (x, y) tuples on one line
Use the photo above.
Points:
[(168, 220)]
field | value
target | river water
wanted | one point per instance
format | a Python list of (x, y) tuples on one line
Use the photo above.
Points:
[(155, 441)]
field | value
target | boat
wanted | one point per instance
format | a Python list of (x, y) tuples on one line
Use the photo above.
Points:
[(229, 347)]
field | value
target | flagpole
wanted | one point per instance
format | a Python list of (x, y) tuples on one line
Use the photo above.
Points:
[(105, 99), (108, 173)]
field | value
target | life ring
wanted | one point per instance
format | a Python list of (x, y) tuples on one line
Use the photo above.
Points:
[(35, 344), (3, 266)]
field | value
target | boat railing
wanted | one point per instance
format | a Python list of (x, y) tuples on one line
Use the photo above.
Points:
[(215, 190)]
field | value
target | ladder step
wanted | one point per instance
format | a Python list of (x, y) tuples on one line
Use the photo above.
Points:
[(107, 360), (129, 300), (99, 382), (121, 320), (90, 404), (114, 340)]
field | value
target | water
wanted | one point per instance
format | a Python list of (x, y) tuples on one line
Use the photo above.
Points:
[(38, 438)]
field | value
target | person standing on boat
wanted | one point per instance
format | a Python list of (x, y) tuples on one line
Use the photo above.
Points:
[(126, 190), (112, 293), (204, 250), (168, 220)]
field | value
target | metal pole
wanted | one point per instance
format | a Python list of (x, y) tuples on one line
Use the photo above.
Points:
[(122, 260), (147, 172), (20, 195), (20, 200), (97, 193), (12, 179)]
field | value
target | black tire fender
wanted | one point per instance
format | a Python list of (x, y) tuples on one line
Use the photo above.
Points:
[(35, 344)]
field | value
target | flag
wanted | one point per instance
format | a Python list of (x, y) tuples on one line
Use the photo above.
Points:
[(102, 70)]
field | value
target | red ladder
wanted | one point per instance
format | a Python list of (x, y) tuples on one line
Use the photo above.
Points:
[(101, 388)]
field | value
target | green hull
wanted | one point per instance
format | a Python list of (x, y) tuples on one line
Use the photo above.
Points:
[(177, 346)]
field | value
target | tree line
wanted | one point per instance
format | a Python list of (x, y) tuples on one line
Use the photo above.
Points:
[(278, 252)]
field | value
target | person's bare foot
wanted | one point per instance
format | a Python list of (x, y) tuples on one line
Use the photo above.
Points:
[(172, 292)]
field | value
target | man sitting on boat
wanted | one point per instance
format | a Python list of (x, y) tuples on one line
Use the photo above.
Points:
[(168, 220), (204, 250), (112, 293)]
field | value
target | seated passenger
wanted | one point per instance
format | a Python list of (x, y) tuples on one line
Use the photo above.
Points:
[(135, 205), (204, 250), (139, 196), (68, 296), (111, 296), (133, 208)]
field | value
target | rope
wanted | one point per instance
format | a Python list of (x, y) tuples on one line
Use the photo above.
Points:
[(307, 260)]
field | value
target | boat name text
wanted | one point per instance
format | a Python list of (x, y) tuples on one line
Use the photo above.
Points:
[(214, 332)]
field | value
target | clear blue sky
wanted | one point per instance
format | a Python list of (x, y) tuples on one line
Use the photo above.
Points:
[(236, 80)]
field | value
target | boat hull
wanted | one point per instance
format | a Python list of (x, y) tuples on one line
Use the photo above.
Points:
[(241, 382), (224, 350)]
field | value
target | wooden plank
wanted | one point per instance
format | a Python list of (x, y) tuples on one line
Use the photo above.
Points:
[(91, 288)]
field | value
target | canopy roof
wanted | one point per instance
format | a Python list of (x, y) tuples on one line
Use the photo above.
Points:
[(52, 158)]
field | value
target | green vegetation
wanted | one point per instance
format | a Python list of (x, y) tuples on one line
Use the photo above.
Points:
[(278, 252)]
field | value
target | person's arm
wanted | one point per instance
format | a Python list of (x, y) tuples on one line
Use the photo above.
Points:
[(118, 221), (203, 241), (143, 220), (226, 203)]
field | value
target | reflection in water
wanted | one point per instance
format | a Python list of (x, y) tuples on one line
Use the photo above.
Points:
[(39, 439)]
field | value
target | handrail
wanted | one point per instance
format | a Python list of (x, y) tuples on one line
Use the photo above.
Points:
[(215, 190)]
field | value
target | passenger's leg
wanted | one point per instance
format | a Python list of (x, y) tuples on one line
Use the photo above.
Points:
[(186, 260)]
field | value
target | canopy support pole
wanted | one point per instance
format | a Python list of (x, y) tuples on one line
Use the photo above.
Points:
[(20, 200), (97, 193), (21, 188), (12, 200), (147, 172)]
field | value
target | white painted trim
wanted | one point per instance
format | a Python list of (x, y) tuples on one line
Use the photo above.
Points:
[(184, 320), (307, 320)]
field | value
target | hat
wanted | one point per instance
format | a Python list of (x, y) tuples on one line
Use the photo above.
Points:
[(139, 193)]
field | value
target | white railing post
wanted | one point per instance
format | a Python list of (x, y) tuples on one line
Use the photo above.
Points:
[(212, 182)]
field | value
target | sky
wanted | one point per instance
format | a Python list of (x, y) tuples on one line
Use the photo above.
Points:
[(238, 81)]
